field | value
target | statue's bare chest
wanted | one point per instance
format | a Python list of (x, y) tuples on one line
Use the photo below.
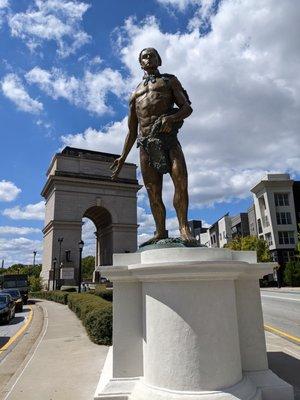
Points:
[(152, 97)]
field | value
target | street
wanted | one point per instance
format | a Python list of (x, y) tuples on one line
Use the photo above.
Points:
[(8, 331), (281, 311)]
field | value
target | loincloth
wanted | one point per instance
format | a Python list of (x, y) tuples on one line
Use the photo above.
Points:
[(158, 145)]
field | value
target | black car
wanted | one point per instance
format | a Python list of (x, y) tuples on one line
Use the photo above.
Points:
[(17, 297), (7, 307)]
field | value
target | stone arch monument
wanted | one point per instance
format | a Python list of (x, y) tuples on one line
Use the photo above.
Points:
[(79, 185)]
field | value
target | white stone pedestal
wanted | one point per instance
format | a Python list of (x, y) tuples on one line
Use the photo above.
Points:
[(188, 326)]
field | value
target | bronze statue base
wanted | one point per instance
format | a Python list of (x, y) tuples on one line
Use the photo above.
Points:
[(167, 243)]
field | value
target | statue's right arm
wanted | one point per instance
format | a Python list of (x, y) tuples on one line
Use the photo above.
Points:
[(129, 141)]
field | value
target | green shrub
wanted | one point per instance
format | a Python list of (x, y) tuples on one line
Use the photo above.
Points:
[(84, 303), (102, 291), (56, 295), (292, 273), (98, 324)]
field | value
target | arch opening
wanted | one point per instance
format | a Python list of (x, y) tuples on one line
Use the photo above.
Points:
[(102, 220)]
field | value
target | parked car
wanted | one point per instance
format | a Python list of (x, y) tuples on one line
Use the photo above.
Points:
[(17, 297), (7, 307), (18, 282)]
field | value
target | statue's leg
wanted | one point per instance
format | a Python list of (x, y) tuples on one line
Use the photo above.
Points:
[(181, 199), (153, 183)]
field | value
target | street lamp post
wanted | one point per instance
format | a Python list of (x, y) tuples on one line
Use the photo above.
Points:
[(80, 246), (60, 240), (54, 272), (34, 255)]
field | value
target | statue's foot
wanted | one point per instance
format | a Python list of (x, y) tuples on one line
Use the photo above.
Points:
[(186, 236), (156, 238)]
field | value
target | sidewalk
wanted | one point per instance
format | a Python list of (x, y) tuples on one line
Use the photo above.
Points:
[(284, 360), (286, 289), (65, 364)]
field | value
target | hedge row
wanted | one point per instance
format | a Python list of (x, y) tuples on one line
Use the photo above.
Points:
[(94, 312), (56, 295), (102, 291)]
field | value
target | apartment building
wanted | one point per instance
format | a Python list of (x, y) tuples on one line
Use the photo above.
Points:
[(274, 217), (198, 231), (276, 203)]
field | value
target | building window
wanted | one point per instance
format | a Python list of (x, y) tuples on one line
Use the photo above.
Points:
[(286, 237), (266, 221), (268, 238), (281, 199), (259, 226), (283, 218), (288, 255)]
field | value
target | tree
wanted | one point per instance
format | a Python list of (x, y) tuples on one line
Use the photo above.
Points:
[(88, 267), (251, 243), (35, 283), (29, 270), (292, 273)]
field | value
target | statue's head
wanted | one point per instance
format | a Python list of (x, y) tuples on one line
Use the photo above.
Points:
[(149, 58)]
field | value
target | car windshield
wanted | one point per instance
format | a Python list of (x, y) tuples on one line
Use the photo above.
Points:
[(14, 283), (14, 293), (3, 299)]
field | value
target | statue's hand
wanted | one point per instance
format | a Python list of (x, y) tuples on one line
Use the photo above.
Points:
[(166, 124), (116, 167)]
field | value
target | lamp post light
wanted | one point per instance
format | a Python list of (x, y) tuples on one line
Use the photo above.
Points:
[(34, 255), (54, 273), (80, 246), (60, 240)]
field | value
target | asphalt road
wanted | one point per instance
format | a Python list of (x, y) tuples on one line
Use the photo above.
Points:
[(282, 311), (7, 331)]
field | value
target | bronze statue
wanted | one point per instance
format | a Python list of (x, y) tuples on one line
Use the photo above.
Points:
[(154, 123)]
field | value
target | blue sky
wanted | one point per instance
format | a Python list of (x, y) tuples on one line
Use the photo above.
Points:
[(67, 69)]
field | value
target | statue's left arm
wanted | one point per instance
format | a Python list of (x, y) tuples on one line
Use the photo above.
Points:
[(183, 104)]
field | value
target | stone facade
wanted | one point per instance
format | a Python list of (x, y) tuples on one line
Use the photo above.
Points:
[(79, 185)]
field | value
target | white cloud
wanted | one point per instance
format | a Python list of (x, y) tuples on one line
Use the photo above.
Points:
[(4, 5), (90, 92), (8, 191), (18, 230), (244, 85), (88, 236), (52, 20), (31, 211), (110, 139), (13, 89), (20, 250)]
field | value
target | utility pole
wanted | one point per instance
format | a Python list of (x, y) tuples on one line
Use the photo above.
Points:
[(34, 254)]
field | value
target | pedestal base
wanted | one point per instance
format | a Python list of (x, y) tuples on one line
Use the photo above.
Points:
[(188, 326), (260, 385)]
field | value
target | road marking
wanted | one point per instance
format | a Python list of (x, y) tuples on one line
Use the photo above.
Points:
[(45, 327), (281, 333), (278, 297), (19, 332)]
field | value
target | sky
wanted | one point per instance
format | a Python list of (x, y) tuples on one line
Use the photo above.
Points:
[(67, 69)]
